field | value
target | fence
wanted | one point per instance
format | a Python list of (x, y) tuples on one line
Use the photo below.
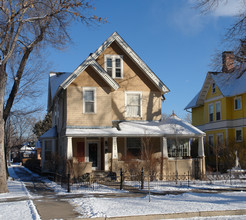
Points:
[(142, 181)]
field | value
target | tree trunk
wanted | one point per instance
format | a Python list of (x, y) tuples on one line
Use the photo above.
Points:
[(3, 177)]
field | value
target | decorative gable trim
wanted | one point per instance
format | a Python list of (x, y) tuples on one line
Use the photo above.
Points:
[(149, 73), (101, 72)]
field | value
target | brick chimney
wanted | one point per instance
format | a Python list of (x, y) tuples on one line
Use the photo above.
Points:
[(228, 62)]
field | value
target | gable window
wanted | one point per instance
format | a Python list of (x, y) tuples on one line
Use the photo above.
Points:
[(237, 103), (89, 100), (238, 135), (211, 112), (218, 109), (213, 88), (133, 104), (114, 65), (134, 146)]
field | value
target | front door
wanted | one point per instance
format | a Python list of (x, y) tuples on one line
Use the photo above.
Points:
[(93, 150)]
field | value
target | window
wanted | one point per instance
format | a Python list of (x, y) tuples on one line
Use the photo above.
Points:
[(211, 112), (114, 65), (48, 150), (219, 139), (217, 109), (238, 134), (211, 140), (134, 146), (89, 101), (213, 88), (133, 104), (237, 103), (178, 148)]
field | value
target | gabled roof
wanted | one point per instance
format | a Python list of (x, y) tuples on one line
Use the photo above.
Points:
[(135, 58), (51, 133), (229, 84), (58, 81)]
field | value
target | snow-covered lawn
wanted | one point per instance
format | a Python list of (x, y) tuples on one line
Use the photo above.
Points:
[(187, 202)]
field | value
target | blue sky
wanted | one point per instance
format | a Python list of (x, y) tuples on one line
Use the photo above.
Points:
[(174, 40)]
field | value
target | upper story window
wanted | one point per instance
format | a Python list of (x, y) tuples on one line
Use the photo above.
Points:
[(218, 111), (89, 100), (133, 104), (114, 65), (213, 88), (211, 112), (237, 103), (238, 135)]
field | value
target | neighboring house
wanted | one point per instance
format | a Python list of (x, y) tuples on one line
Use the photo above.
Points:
[(219, 109), (103, 110)]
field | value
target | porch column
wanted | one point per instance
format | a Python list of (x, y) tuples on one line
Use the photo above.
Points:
[(201, 147), (114, 154), (69, 148), (115, 148), (202, 156), (164, 147)]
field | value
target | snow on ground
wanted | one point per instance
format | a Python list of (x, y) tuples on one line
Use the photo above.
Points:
[(187, 202), (17, 209)]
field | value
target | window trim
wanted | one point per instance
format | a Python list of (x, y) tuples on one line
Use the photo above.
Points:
[(133, 92), (211, 104), (236, 98), (238, 129), (216, 110), (114, 57), (95, 100)]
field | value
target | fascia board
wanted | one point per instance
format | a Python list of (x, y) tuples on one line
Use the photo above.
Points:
[(90, 61), (134, 57)]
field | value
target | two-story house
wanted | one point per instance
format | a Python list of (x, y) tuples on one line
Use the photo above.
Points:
[(104, 109), (219, 109)]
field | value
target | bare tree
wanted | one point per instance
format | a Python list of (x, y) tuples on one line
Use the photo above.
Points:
[(236, 34), (26, 27)]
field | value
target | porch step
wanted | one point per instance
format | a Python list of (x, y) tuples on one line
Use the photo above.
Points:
[(103, 176)]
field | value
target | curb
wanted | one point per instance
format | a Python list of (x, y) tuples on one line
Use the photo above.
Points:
[(176, 215)]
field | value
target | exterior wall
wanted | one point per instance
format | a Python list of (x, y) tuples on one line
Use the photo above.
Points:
[(230, 118), (75, 115)]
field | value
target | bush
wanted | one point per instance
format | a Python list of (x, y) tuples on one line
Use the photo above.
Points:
[(33, 165)]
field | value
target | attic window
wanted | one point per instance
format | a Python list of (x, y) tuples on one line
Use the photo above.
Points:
[(114, 65), (214, 88)]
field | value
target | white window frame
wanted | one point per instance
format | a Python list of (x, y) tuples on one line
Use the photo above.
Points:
[(237, 98), (133, 92), (114, 57), (216, 111), (95, 100), (213, 88), (212, 104), (238, 129)]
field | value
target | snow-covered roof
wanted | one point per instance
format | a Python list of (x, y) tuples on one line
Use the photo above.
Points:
[(55, 80), (51, 133), (171, 127), (229, 84), (175, 126), (27, 148)]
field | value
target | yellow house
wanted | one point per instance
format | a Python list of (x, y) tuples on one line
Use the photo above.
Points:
[(219, 109), (105, 109)]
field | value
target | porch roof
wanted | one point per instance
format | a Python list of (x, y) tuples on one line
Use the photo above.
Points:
[(173, 126)]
